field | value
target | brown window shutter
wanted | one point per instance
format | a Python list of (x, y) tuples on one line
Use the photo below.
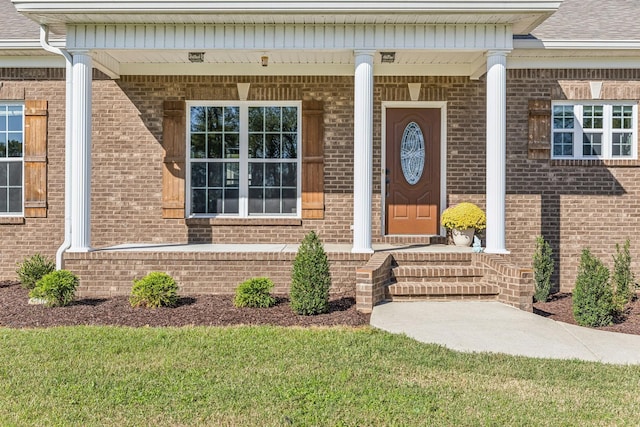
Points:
[(539, 129), (173, 170), (35, 159), (312, 160)]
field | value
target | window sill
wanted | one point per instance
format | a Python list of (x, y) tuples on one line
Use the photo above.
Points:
[(11, 220), (596, 162), (245, 221)]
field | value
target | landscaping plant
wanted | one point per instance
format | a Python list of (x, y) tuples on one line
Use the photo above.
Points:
[(156, 289), (310, 280), (57, 288), (542, 269), (592, 296), (33, 269), (463, 216), (254, 293), (623, 279)]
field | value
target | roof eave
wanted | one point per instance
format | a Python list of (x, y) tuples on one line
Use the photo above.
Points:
[(524, 15)]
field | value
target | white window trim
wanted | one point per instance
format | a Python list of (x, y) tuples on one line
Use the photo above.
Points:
[(243, 198), (607, 130), (15, 159)]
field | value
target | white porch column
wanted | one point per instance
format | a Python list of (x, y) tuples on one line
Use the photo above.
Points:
[(496, 150), (81, 153), (363, 151)]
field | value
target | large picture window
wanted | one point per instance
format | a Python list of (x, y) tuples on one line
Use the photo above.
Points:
[(590, 130), (11, 158), (244, 159)]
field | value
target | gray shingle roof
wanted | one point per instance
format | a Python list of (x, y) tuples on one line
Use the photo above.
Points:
[(593, 20), (15, 26)]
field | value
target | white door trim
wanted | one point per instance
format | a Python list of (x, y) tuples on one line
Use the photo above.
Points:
[(442, 105)]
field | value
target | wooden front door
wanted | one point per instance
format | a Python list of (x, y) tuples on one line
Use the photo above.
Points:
[(413, 171)]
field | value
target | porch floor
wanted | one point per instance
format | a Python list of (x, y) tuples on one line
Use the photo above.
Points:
[(274, 248)]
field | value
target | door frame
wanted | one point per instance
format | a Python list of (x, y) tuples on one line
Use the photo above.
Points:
[(442, 105)]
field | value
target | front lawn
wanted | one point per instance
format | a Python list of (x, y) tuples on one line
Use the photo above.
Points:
[(271, 376)]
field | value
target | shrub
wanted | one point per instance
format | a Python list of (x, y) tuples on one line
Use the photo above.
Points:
[(542, 269), (592, 297), (311, 280), (623, 280), (33, 269), (463, 216), (254, 293), (156, 289), (57, 288)]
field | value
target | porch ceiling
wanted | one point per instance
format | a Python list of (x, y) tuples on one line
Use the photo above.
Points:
[(291, 57), (284, 62)]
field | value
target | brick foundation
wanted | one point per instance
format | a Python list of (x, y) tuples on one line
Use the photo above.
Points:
[(110, 273)]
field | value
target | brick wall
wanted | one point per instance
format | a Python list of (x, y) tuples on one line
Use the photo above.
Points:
[(20, 238), (573, 204)]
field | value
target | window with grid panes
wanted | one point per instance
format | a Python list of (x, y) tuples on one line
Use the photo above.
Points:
[(11, 158), (594, 130), (244, 159)]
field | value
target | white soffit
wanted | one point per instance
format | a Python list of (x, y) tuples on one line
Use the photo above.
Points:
[(10, 60), (522, 15)]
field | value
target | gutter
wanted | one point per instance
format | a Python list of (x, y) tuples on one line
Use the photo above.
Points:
[(66, 244), (534, 43)]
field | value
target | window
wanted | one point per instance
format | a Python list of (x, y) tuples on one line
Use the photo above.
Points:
[(11, 158), (244, 159), (587, 130)]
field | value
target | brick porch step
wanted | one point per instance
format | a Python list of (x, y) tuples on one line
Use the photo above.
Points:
[(435, 290), (430, 273), (430, 259), (430, 281), (418, 240)]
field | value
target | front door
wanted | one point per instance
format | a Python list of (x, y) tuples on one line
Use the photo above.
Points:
[(413, 171)]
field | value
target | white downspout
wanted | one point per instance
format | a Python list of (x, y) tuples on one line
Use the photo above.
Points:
[(44, 42)]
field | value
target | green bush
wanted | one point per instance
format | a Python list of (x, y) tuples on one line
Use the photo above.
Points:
[(254, 293), (542, 269), (623, 279), (592, 296), (310, 280), (57, 288), (156, 289), (33, 269)]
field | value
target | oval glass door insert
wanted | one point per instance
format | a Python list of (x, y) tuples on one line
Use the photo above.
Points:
[(412, 153)]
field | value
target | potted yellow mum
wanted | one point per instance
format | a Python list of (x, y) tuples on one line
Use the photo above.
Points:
[(463, 220)]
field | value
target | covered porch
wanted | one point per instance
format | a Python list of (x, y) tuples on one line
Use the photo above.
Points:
[(350, 64), (248, 39)]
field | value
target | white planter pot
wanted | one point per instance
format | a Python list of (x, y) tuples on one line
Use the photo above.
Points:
[(463, 237)]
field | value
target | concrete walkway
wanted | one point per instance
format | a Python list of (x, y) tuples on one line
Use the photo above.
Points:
[(498, 328)]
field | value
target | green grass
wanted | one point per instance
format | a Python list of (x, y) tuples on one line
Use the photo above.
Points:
[(269, 376)]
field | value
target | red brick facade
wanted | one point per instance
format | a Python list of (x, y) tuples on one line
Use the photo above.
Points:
[(573, 204)]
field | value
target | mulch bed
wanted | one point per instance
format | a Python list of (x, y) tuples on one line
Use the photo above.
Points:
[(209, 310), (218, 310), (560, 308)]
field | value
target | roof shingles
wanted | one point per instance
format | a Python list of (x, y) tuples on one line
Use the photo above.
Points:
[(14, 26), (592, 20)]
